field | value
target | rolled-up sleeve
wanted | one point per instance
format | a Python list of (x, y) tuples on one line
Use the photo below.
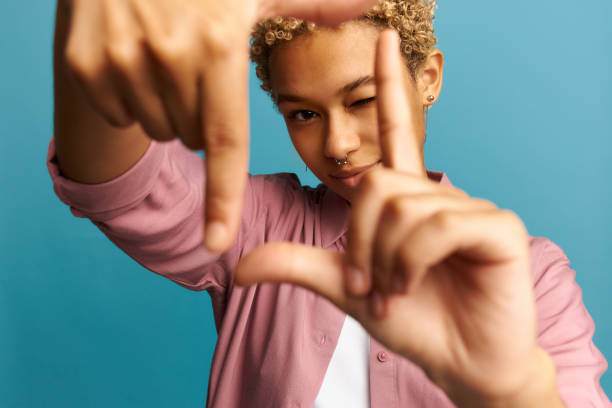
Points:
[(565, 328), (154, 213)]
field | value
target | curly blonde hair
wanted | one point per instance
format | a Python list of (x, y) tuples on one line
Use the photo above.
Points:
[(412, 19)]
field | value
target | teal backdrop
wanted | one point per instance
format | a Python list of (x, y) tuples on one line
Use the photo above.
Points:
[(523, 120)]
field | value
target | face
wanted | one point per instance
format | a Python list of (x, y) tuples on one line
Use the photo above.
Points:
[(324, 86)]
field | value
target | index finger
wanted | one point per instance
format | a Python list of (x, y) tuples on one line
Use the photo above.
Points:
[(398, 128), (225, 124)]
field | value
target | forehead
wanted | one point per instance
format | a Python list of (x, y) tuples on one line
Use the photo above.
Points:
[(326, 58)]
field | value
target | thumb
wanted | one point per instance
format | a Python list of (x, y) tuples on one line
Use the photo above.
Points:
[(312, 268), (326, 12)]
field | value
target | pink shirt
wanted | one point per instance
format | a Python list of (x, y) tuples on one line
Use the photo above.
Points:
[(275, 341)]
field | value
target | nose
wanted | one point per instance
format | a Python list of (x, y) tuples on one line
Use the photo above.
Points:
[(341, 137)]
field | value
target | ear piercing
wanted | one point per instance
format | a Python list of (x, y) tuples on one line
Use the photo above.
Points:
[(430, 99), (341, 163)]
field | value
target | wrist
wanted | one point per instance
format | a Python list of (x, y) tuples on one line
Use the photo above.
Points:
[(539, 388)]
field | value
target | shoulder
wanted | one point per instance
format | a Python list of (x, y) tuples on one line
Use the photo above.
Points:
[(547, 257), (285, 186)]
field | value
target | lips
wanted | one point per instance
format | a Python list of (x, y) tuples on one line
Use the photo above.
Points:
[(351, 177)]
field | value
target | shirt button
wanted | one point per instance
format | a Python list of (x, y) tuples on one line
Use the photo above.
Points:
[(323, 340), (382, 356)]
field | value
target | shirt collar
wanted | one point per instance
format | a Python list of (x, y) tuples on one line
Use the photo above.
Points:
[(335, 211)]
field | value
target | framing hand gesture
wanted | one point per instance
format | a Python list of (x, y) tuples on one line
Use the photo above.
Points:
[(440, 278), (180, 70)]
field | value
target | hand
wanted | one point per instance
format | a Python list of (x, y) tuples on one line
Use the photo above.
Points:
[(463, 308), (180, 69)]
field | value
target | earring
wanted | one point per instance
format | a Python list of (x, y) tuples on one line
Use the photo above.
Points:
[(430, 98)]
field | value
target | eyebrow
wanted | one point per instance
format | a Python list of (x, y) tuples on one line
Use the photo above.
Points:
[(351, 86), (356, 84)]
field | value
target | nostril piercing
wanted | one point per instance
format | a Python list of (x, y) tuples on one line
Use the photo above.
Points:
[(341, 163)]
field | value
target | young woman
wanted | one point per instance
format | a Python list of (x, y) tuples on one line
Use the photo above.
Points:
[(464, 307)]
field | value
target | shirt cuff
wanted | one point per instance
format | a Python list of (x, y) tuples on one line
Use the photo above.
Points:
[(106, 200)]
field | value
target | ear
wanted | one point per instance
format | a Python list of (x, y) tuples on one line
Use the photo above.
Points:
[(429, 77)]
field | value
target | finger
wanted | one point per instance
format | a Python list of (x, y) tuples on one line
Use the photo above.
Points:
[(225, 124), (174, 64), (488, 237), (87, 66), (327, 12), (132, 74), (134, 78), (179, 97), (379, 306), (399, 216), (312, 268), (177, 86), (374, 189), (398, 128)]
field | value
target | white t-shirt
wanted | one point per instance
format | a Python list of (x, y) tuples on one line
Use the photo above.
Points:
[(347, 380)]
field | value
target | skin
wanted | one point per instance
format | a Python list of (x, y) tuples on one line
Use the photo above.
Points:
[(327, 121), (131, 62), (163, 70), (439, 277)]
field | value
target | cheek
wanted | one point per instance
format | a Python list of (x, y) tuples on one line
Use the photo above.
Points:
[(307, 142)]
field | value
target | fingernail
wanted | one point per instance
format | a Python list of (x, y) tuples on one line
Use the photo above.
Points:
[(215, 235), (378, 304), (355, 279)]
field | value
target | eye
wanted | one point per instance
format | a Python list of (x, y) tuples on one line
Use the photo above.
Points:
[(362, 102), (302, 115)]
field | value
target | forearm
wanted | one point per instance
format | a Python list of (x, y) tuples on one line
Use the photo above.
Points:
[(89, 150)]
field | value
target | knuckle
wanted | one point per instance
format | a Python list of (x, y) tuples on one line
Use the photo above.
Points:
[(443, 220), (391, 126), (221, 138), (371, 182), (218, 42), (385, 77), (458, 192), (83, 66), (171, 51), (123, 54), (514, 221), (508, 215), (396, 207), (486, 203)]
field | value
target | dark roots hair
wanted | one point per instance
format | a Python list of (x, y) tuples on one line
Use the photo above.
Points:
[(412, 19)]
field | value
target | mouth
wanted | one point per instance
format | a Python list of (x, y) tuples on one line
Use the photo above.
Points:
[(352, 177)]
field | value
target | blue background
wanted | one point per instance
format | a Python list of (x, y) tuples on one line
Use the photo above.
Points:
[(523, 120)]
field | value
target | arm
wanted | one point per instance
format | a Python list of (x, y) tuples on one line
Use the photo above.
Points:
[(117, 177), (568, 363), (89, 150), (565, 328), (146, 196), (154, 64), (465, 308)]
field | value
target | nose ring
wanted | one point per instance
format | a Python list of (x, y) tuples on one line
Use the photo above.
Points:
[(341, 163)]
